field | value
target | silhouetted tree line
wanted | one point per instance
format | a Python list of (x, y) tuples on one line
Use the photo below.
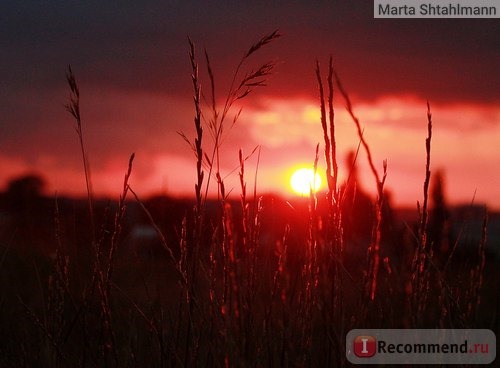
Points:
[(30, 214)]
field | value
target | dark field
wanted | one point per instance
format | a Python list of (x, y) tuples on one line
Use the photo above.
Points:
[(265, 300)]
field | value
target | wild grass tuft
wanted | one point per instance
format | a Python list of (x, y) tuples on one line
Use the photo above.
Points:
[(249, 282)]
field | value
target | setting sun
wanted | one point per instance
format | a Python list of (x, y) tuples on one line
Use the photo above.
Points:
[(303, 180)]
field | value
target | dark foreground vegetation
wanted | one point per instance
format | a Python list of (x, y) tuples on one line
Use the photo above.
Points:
[(252, 281)]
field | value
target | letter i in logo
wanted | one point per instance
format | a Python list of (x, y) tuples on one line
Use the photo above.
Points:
[(364, 346)]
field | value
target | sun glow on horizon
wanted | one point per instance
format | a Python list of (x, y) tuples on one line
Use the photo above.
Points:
[(304, 180)]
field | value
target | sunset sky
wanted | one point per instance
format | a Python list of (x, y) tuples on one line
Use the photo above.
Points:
[(131, 62)]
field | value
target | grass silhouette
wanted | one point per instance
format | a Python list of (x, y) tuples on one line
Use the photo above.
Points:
[(254, 282)]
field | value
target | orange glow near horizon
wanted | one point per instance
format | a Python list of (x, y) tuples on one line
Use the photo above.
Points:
[(305, 180), (464, 136)]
